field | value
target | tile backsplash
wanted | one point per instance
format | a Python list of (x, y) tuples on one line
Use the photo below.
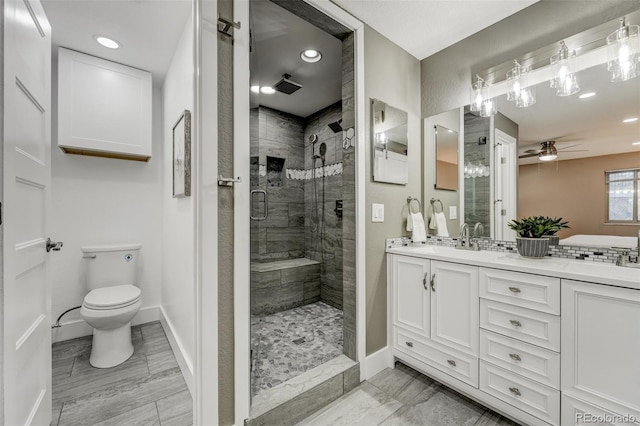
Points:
[(562, 251)]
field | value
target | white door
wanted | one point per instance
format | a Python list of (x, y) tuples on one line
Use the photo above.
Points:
[(26, 182), (506, 185), (454, 306), (411, 282)]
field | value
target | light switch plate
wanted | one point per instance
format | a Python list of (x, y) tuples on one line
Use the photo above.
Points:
[(377, 212), (453, 212)]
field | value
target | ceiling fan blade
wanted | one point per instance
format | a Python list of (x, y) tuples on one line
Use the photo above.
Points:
[(531, 154), (576, 150), (567, 147), (532, 151)]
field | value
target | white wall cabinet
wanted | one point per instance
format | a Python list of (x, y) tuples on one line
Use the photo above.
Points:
[(601, 346), (104, 108), (496, 335)]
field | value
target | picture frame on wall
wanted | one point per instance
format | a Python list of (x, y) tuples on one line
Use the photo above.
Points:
[(182, 156)]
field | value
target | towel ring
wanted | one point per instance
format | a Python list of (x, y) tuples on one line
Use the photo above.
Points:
[(434, 202), (410, 200)]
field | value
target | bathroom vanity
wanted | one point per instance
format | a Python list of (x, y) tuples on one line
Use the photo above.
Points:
[(549, 341)]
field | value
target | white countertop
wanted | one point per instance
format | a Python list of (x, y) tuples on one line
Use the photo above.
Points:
[(579, 270)]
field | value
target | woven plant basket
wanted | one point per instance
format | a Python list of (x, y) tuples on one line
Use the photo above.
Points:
[(532, 247)]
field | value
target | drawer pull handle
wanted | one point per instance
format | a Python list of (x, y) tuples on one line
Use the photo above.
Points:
[(515, 357), (433, 282), (451, 362), (410, 344), (424, 281), (515, 323), (515, 391), (514, 289)]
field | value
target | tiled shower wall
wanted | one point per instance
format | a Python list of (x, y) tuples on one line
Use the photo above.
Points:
[(324, 244), (476, 190)]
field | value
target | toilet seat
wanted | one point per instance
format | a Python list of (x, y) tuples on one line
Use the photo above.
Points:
[(112, 297)]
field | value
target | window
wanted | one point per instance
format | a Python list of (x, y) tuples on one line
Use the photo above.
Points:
[(623, 204)]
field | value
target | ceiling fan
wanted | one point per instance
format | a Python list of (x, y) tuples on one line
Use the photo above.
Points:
[(548, 151)]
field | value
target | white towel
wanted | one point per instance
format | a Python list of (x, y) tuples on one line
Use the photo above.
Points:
[(432, 222), (419, 232), (409, 222), (441, 222)]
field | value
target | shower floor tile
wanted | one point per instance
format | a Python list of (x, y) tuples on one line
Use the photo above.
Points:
[(288, 343)]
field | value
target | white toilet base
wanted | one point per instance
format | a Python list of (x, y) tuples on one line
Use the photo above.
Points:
[(111, 347)]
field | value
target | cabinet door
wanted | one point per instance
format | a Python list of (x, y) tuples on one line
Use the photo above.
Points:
[(410, 281), (601, 345), (454, 306)]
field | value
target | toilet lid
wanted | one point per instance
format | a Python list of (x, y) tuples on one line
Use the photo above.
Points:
[(112, 297)]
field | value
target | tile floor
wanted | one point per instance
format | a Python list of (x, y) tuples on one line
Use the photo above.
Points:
[(402, 396), (288, 343), (147, 389)]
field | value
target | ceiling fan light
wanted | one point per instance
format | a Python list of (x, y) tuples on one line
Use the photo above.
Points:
[(547, 156)]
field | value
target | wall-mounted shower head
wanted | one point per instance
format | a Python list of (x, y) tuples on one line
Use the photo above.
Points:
[(336, 126)]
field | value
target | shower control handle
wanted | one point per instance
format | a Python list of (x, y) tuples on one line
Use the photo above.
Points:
[(265, 200)]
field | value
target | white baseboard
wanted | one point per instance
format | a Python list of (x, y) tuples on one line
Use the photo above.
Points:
[(378, 361), (79, 328), (185, 362)]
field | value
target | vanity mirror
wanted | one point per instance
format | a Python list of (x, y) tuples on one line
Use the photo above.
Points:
[(584, 137), (446, 158), (389, 143)]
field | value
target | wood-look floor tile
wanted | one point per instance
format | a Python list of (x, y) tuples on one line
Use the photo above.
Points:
[(61, 367), (151, 345), (161, 361), (95, 379), (152, 329), (71, 348), (56, 410), (120, 397), (402, 382), (490, 418), (146, 415), (176, 409)]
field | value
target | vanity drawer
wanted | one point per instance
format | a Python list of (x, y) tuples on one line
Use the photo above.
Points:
[(575, 412), (527, 395), (530, 326), (457, 364), (526, 290), (533, 362)]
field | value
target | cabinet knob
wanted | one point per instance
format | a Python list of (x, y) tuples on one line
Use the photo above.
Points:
[(515, 323), (515, 357), (515, 391), (410, 344), (451, 362), (514, 289)]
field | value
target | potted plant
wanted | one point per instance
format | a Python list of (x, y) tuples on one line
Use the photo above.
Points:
[(532, 233), (555, 225)]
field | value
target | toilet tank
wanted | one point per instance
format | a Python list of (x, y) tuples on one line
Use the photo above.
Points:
[(111, 265)]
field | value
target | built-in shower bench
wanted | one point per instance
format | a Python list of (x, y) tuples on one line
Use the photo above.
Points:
[(284, 284)]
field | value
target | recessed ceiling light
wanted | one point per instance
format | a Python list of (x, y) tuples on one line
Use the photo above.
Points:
[(311, 55), (107, 42), (630, 120), (587, 95), (255, 89), (636, 143), (267, 90)]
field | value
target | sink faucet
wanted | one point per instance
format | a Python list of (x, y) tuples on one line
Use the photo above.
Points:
[(465, 242)]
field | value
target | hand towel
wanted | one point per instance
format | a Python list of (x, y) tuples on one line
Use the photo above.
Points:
[(432, 222), (409, 222), (419, 232), (441, 222)]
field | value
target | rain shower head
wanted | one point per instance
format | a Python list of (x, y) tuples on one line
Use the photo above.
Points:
[(335, 126), (287, 86)]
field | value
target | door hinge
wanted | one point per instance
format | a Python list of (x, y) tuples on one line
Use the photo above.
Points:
[(503, 160), (0, 212), (503, 212)]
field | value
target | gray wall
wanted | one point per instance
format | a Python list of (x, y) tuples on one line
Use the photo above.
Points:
[(393, 76), (446, 75)]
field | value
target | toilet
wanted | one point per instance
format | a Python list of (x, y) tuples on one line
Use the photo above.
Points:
[(112, 301)]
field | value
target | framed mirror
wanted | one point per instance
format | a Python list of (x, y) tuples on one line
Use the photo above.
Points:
[(389, 143), (446, 158)]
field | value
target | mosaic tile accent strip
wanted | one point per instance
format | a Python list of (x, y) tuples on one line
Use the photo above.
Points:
[(288, 343), (330, 170), (599, 254)]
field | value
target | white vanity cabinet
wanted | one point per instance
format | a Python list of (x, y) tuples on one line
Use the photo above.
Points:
[(601, 347), (411, 295)]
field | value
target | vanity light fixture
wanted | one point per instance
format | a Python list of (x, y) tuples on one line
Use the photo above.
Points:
[(623, 52), (107, 42), (564, 80), (587, 95), (630, 120), (519, 89), (267, 90), (311, 55), (480, 100)]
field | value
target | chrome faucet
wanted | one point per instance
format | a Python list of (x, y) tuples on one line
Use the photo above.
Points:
[(465, 242)]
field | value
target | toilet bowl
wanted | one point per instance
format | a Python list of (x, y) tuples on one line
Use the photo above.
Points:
[(112, 302)]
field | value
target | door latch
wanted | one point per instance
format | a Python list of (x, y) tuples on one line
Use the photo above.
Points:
[(53, 245)]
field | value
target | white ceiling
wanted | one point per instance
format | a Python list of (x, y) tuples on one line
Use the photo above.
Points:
[(148, 30), (424, 27), (593, 125), (279, 38)]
